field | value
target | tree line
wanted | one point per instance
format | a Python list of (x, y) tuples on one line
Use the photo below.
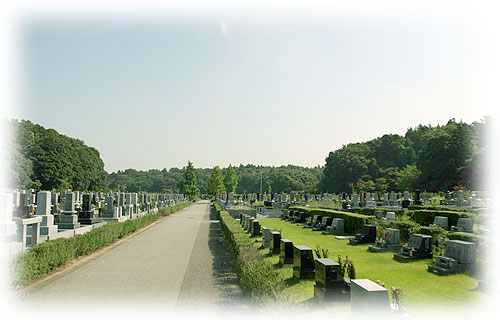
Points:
[(44, 159), (239, 179), (430, 158)]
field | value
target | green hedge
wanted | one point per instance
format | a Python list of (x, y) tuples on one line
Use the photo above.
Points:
[(257, 277), (433, 208), (371, 211), (404, 227), (353, 222), (49, 255), (426, 217)]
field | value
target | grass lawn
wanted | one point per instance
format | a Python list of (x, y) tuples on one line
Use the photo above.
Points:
[(420, 287)]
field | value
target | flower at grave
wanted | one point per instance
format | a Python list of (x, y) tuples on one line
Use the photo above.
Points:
[(378, 281)]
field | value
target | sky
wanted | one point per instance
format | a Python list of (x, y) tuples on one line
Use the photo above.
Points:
[(250, 85)]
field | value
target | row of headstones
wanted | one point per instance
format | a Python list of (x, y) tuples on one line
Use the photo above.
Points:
[(25, 202), (459, 255), (419, 246), (42, 226), (330, 283), (393, 199)]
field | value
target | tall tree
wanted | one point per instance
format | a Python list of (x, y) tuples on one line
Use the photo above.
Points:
[(230, 179), (215, 182), (188, 185)]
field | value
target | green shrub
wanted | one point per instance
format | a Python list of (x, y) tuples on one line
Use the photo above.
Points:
[(439, 236), (257, 277), (49, 255), (426, 217), (415, 207), (353, 222), (371, 211), (403, 226)]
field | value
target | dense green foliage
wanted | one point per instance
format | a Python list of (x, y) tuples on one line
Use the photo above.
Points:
[(47, 256), (353, 222), (426, 217), (188, 185), (275, 179), (44, 159), (230, 179), (257, 277), (215, 182), (431, 158)]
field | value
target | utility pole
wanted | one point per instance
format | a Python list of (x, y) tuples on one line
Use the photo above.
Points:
[(261, 182)]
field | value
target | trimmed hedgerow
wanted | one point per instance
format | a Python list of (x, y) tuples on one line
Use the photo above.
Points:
[(426, 217), (371, 211), (433, 208), (49, 255), (258, 279), (353, 222)]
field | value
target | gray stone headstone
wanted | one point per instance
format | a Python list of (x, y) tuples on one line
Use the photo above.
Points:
[(69, 202), (43, 203), (367, 298)]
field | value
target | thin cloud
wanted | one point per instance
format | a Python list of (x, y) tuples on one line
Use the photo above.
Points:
[(223, 27)]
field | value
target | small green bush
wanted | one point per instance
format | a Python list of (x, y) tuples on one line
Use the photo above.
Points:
[(426, 217), (353, 222), (49, 255), (403, 226), (371, 211)]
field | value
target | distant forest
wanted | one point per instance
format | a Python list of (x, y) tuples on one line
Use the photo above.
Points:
[(44, 159), (432, 158)]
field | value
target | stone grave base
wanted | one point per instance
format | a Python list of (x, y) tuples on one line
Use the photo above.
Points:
[(83, 230), (328, 296), (68, 221), (344, 237), (120, 219), (334, 232), (406, 258), (391, 247), (63, 234), (355, 242), (442, 271)]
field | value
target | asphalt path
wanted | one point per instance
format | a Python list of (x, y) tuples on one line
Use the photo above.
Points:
[(175, 264)]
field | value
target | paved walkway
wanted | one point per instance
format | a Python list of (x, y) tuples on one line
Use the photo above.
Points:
[(173, 265)]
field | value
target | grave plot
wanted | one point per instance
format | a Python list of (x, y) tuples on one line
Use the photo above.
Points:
[(420, 287)]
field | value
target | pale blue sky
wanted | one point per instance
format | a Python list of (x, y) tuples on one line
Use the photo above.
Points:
[(276, 89)]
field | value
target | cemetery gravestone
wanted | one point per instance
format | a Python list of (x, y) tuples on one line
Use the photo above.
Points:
[(275, 242), (330, 283), (440, 222), (255, 228), (43, 209), (368, 235), (303, 262), (390, 216), (367, 298), (337, 227), (459, 256), (390, 242), (267, 237), (69, 220), (463, 225), (325, 222), (419, 247), (286, 252)]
